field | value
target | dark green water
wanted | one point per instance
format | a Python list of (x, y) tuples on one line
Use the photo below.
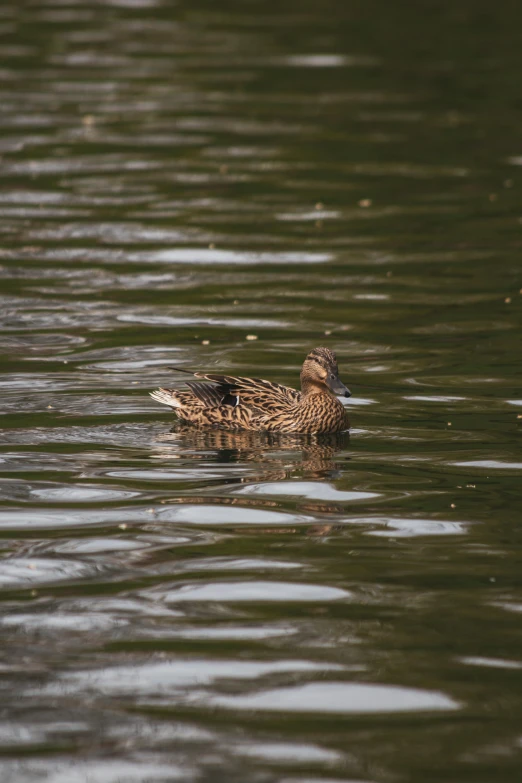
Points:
[(185, 606)]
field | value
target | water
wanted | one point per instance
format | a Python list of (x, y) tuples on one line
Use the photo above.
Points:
[(181, 605)]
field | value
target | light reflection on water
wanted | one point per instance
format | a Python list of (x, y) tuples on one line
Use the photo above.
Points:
[(189, 605)]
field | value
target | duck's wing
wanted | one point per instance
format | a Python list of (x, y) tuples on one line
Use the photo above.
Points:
[(255, 393), (211, 396)]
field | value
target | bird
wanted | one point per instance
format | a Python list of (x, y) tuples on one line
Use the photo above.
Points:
[(232, 402)]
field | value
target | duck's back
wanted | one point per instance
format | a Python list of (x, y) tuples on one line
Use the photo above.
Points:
[(256, 394)]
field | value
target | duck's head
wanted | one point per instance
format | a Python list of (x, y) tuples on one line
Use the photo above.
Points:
[(321, 374)]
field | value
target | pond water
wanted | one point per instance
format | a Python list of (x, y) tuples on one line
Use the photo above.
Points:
[(178, 179)]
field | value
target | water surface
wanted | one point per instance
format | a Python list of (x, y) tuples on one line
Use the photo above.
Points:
[(177, 180)]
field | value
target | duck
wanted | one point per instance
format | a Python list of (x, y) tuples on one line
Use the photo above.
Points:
[(232, 402)]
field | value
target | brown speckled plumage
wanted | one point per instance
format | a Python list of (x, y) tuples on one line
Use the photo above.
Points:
[(235, 403)]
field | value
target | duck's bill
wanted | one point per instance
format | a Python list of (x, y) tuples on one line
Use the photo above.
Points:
[(338, 388)]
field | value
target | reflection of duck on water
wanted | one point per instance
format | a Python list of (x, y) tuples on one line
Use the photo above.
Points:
[(279, 452), (234, 403), (278, 456)]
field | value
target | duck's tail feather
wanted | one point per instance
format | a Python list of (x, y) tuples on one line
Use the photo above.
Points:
[(166, 397)]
